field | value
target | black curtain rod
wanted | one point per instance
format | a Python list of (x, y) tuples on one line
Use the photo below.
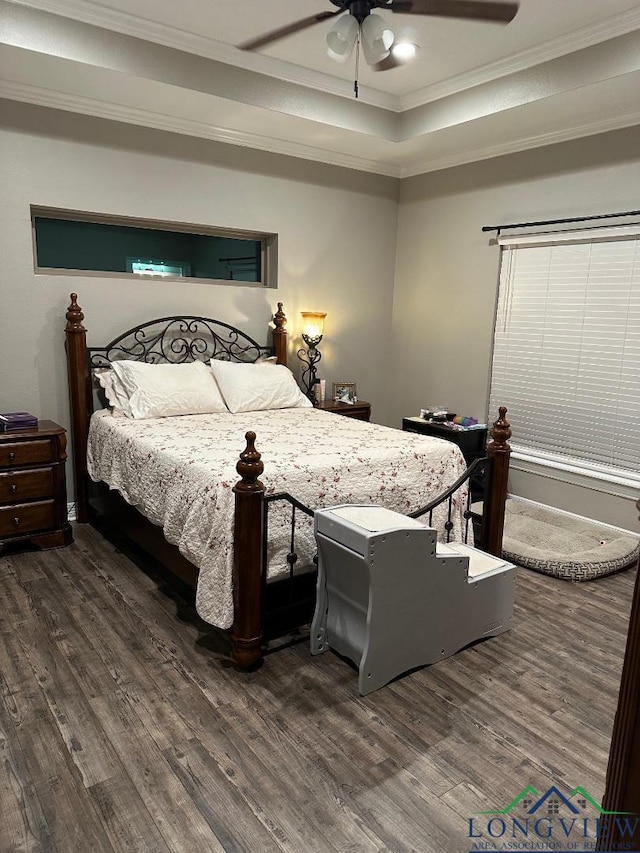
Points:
[(560, 221)]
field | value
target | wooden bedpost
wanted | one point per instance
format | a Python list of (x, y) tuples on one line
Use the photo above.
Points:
[(622, 792), (499, 452), (246, 634), (80, 399), (280, 335)]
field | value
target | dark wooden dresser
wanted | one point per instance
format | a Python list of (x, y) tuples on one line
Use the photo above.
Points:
[(33, 493), (360, 410)]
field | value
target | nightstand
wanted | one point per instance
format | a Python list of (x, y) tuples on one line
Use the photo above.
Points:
[(33, 493), (471, 442), (360, 410)]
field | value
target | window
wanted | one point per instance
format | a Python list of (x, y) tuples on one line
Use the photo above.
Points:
[(566, 358), (71, 241)]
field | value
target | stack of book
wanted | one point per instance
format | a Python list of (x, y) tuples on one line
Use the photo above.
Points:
[(10, 421)]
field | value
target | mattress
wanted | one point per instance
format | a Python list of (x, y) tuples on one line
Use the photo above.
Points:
[(180, 472)]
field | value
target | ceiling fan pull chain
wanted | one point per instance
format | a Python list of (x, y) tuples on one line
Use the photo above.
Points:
[(355, 82)]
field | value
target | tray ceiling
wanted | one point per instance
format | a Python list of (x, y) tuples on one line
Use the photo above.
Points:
[(560, 70)]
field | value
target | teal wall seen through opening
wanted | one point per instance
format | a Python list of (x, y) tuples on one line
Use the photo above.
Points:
[(77, 245)]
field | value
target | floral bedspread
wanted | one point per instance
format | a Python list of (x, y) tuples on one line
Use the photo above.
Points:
[(180, 471)]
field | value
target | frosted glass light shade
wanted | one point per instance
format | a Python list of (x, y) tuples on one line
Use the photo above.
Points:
[(341, 38), (377, 39), (312, 324)]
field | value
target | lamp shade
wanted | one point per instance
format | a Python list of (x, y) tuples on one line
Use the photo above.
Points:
[(377, 39), (341, 38), (312, 324)]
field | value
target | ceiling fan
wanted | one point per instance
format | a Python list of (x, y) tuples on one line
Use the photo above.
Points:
[(362, 27)]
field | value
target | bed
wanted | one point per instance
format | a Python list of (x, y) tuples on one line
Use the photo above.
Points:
[(246, 545)]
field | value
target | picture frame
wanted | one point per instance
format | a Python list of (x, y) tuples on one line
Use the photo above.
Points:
[(344, 392)]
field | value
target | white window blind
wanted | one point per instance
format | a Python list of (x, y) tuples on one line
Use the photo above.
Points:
[(566, 357)]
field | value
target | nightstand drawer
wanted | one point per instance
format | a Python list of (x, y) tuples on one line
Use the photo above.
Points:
[(17, 453), (27, 518), (18, 486)]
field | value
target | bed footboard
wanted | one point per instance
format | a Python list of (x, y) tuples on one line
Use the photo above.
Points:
[(251, 520)]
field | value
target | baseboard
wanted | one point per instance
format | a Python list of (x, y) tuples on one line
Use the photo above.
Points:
[(71, 511), (574, 515)]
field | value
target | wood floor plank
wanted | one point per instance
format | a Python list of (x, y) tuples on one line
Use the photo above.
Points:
[(23, 826), (69, 708), (222, 805), (128, 826), (172, 810), (431, 767), (315, 795), (124, 728), (71, 818), (20, 692), (114, 585), (16, 603), (342, 771)]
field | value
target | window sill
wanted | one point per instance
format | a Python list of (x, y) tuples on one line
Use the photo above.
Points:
[(624, 484)]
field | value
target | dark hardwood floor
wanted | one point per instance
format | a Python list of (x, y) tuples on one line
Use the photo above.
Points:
[(122, 726)]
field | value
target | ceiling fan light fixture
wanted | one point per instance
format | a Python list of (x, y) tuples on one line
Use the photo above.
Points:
[(341, 38), (377, 39), (404, 51)]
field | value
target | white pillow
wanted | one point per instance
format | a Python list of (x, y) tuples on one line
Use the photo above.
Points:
[(255, 387), (114, 391), (162, 390)]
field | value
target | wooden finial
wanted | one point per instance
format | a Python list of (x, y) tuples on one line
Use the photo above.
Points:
[(279, 318), (75, 316), (249, 466), (280, 335), (501, 429)]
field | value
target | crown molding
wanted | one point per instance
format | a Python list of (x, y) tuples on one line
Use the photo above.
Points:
[(577, 131), (189, 127), (609, 28), (125, 23)]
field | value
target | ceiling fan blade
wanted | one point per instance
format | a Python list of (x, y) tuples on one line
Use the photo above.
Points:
[(282, 32), (478, 10)]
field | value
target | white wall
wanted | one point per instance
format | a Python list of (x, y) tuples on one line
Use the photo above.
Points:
[(337, 231), (447, 276)]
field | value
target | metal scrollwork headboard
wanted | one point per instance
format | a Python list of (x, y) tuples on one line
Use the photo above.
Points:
[(168, 339), (177, 340)]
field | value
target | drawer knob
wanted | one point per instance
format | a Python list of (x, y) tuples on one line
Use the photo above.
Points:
[(16, 521), (13, 488), (12, 456)]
